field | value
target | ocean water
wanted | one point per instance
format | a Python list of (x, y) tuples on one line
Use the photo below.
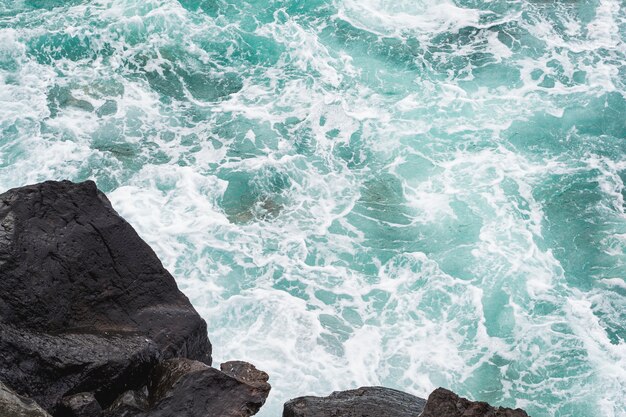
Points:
[(404, 193)]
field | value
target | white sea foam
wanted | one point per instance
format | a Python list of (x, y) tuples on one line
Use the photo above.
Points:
[(393, 18)]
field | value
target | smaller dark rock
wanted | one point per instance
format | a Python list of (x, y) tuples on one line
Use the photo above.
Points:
[(167, 374), (361, 402), (248, 374), (129, 404), (186, 388), (13, 405), (181, 387), (83, 404), (445, 403)]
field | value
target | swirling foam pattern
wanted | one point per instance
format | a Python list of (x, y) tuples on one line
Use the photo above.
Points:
[(415, 193)]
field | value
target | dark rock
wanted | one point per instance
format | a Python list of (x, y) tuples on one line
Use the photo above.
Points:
[(129, 404), (49, 367), (361, 402), (167, 374), (444, 403), (13, 405), (181, 387), (248, 374), (85, 304), (83, 404), (186, 388)]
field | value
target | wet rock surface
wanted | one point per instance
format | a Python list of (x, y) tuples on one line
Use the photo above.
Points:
[(445, 403), (361, 402), (186, 388)]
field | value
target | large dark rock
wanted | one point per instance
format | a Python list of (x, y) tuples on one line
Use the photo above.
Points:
[(444, 403), (361, 402), (13, 405), (85, 304), (186, 388)]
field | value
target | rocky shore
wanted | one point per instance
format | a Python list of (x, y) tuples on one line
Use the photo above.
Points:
[(92, 325)]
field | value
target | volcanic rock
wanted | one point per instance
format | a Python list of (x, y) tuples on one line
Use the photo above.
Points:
[(85, 304), (186, 388), (83, 404), (444, 403), (13, 405), (129, 404), (361, 402)]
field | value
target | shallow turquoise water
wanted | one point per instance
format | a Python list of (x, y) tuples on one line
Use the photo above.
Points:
[(410, 193)]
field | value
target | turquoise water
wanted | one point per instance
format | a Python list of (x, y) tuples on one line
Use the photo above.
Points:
[(355, 192)]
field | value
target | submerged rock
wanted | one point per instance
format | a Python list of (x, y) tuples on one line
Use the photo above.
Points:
[(386, 402), (186, 388), (364, 401), (61, 97), (85, 304), (444, 403), (108, 108), (13, 405)]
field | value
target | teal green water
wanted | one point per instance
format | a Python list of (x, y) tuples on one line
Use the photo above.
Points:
[(355, 192)]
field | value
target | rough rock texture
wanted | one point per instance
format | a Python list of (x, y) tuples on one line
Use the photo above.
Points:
[(83, 404), (361, 402), (444, 403), (48, 367), (248, 374), (13, 405), (129, 404), (85, 304), (186, 388)]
